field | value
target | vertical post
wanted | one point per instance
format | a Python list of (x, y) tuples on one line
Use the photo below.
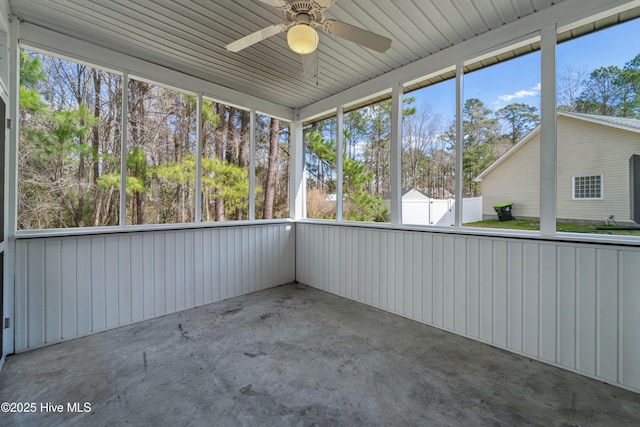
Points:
[(548, 134), (198, 196), (396, 154), (13, 113), (339, 162), (459, 143), (252, 165), (297, 173), (124, 119), (11, 184)]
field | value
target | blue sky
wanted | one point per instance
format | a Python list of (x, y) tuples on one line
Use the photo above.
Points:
[(518, 80)]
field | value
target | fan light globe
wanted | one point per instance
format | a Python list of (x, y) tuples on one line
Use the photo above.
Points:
[(302, 39)]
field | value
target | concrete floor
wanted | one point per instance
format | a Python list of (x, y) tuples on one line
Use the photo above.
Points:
[(293, 355)]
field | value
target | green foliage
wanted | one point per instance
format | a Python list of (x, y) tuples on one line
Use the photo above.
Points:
[(31, 75), (366, 163), (209, 116), (182, 172), (612, 91), (31, 101), (109, 180), (225, 181), (475, 159), (55, 155), (521, 119), (137, 163), (59, 136), (603, 92), (31, 70), (71, 127), (321, 148), (479, 124), (360, 204)]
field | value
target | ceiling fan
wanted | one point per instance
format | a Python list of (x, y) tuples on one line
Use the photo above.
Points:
[(303, 17)]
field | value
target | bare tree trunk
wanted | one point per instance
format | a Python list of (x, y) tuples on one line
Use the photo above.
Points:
[(270, 185), (137, 90), (95, 137), (377, 167), (95, 142), (243, 149), (219, 138), (140, 208), (232, 143)]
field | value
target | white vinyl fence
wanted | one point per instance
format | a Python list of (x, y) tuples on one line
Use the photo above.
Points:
[(440, 212)]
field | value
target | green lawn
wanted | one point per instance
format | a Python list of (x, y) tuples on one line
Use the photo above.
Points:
[(519, 224)]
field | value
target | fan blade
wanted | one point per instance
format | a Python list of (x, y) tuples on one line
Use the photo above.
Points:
[(256, 37), (324, 4), (357, 35), (310, 64), (280, 4)]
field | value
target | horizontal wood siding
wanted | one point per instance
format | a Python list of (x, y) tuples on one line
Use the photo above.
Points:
[(576, 306), (517, 181), (586, 149), (72, 286)]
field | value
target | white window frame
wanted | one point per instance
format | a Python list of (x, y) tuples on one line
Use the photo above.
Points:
[(573, 187), (200, 95)]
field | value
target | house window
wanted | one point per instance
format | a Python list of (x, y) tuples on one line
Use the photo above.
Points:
[(587, 187)]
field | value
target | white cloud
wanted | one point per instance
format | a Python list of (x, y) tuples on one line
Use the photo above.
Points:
[(521, 94)]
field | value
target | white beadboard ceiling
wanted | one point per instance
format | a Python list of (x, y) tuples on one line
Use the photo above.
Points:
[(189, 36)]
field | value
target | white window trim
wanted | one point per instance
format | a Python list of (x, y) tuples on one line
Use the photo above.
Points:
[(573, 187)]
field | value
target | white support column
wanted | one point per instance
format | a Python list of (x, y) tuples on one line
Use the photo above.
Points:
[(252, 165), (548, 134), (11, 184), (123, 148), (13, 113), (198, 207), (396, 154), (297, 173), (339, 162), (459, 143)]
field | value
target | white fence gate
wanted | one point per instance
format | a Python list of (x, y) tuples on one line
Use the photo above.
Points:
[(440, 212)]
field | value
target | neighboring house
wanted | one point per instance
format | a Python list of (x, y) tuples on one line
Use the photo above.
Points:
[(592, 171), (419, 209)]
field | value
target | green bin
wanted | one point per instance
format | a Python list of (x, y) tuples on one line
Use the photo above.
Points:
[(504, 211)]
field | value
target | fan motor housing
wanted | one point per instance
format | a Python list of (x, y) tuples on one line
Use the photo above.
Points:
[(304, 7)]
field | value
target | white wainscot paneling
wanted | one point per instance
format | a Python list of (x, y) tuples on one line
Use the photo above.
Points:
[(68, 287), (573, 305)]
